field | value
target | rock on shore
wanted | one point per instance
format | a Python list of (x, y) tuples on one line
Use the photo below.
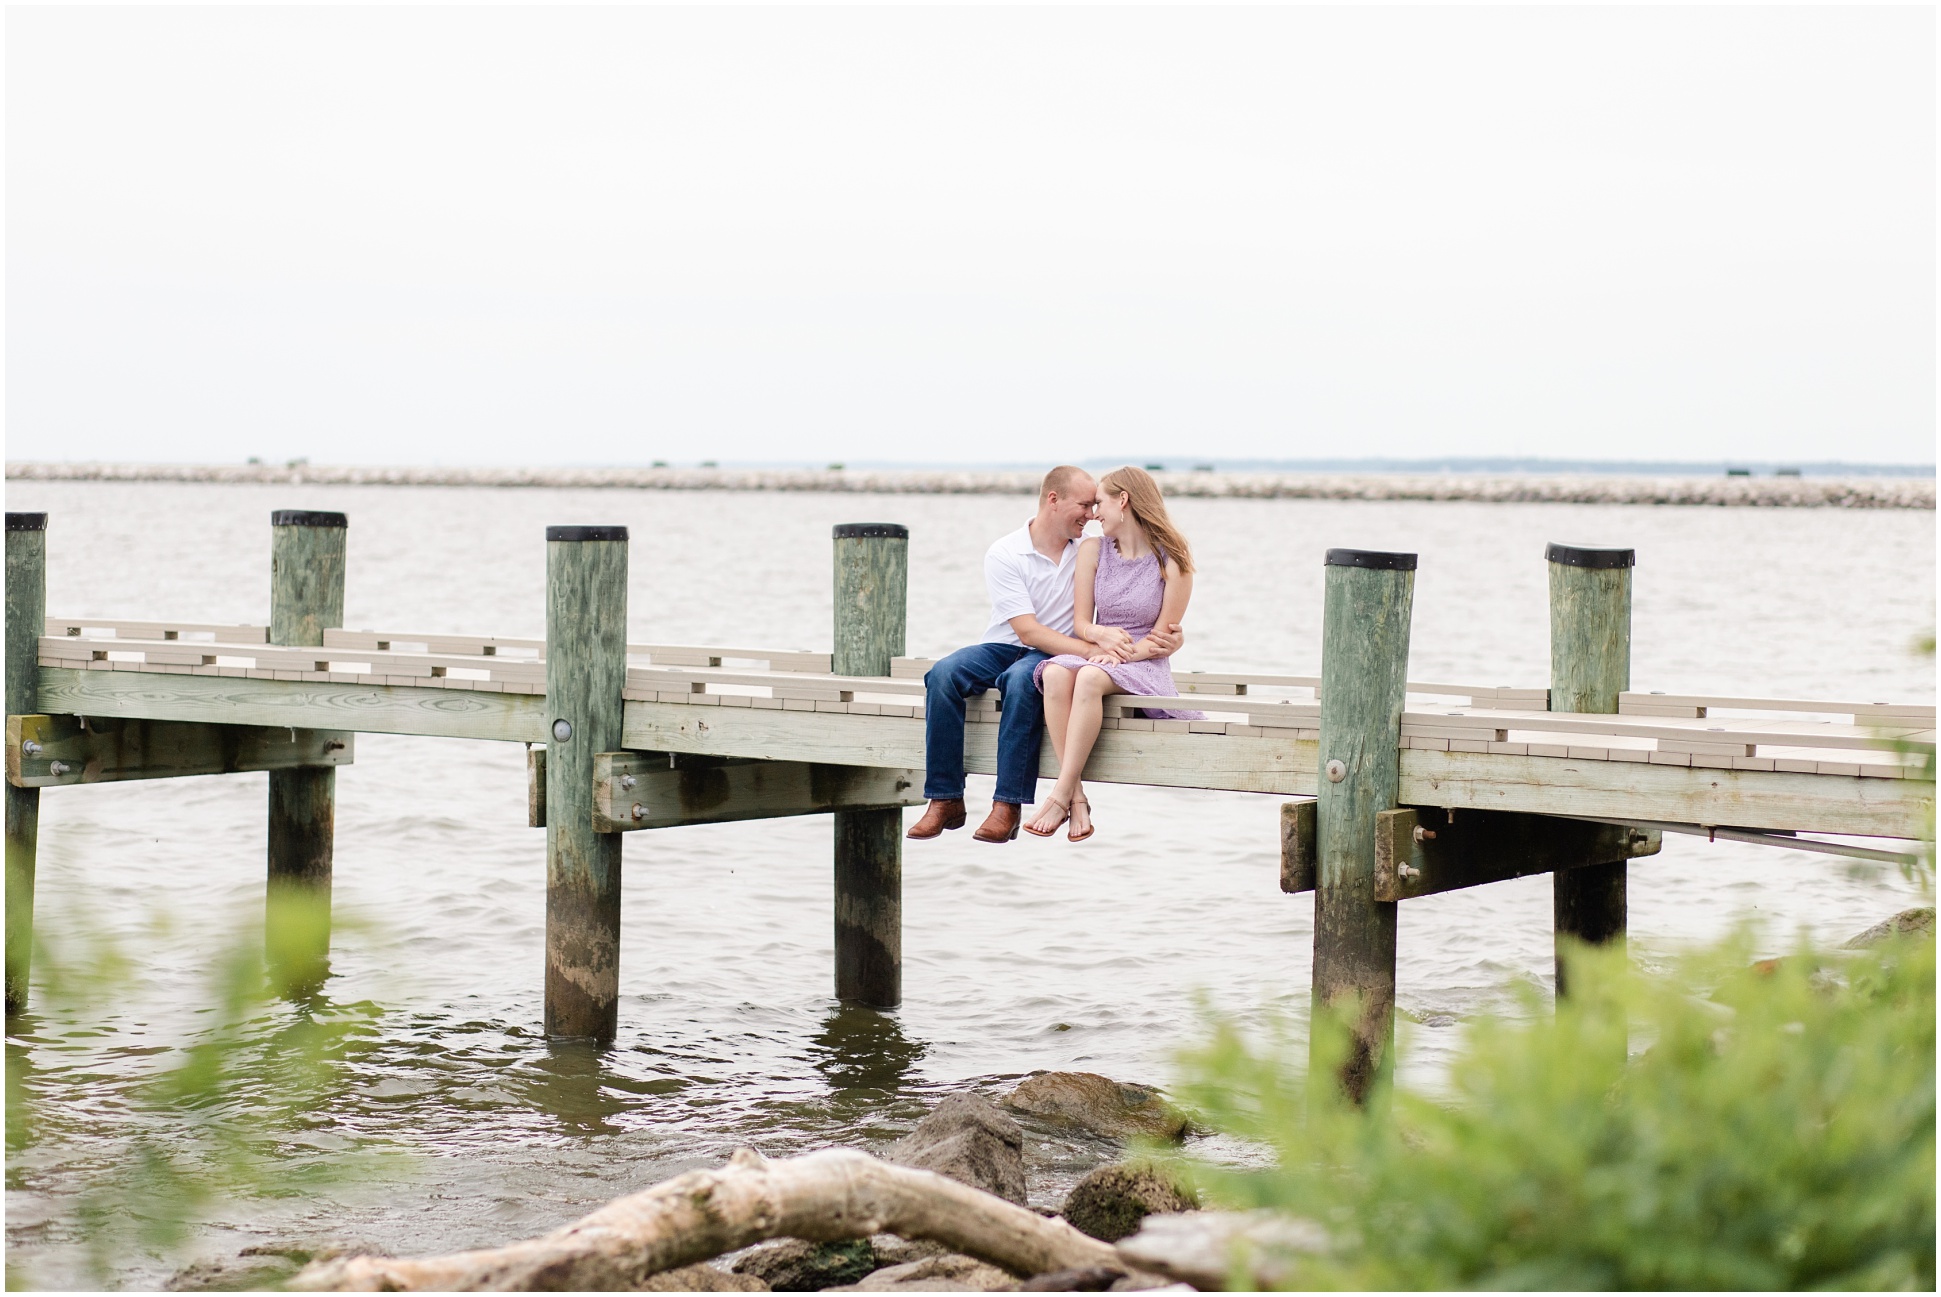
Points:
[(1555, 488), (969, 1140), (1098, 1105), (1110, 1203)]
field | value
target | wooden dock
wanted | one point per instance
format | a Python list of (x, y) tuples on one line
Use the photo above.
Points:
[(1487, 782)]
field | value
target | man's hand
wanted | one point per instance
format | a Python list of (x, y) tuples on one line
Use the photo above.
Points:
[(1166, 640), (1113, 639), (1035, 634)]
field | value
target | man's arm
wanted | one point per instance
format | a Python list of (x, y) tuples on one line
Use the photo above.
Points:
[(1036, 634)]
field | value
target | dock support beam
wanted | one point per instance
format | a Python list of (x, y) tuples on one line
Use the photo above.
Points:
[(26, 618), (1364, 672), (307, 553), (872, 576), (586, 671), (1590, 665)]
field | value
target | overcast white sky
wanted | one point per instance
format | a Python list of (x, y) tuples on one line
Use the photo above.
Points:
[(616, 235)]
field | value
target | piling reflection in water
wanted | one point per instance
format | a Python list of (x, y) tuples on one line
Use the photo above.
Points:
[(574, 1082), (864, 1055)]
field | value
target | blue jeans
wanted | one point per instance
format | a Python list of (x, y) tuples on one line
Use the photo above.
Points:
[(1021, 727)]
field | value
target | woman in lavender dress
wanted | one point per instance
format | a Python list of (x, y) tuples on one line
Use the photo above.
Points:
[(1137, 576)]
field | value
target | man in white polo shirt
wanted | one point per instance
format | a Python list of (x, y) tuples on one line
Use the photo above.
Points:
[(1029, 576)]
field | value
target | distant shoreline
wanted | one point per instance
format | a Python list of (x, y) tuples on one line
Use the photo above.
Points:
[(1550, 488)]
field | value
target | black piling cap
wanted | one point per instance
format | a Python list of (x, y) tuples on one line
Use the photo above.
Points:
[(1375, 558), (26, 522), (307, 518), (893, 530), (586, 533), (1582, 556)]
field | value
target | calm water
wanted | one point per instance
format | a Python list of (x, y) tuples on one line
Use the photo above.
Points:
[(1033, 955)]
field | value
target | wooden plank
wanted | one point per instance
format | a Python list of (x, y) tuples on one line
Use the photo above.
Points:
[(1420, 851), (536, 788), (1753, 799), (434, 642), (1703, 703), (366, 709), (61, 649), (1297, 846), (1276, 711), (1277, 764), (53, 751), (218, 632), (786, 660), (905, 668), (709, 793), (790, 684)]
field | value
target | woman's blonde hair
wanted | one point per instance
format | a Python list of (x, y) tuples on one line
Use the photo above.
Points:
[(1149, 511)]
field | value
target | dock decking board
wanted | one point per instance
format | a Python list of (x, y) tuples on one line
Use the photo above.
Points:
[(1275, 761)]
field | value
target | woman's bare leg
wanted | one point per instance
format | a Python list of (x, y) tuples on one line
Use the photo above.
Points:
[(1082, 732), (1057, 686)]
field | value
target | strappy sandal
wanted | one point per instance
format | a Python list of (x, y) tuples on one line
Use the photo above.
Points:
[(1037, 832), (1070, 836)]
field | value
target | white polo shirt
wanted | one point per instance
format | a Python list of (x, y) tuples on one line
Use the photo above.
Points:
[(1022, 581)]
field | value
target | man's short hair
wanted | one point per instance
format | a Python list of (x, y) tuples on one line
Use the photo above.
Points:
[(1060, 479)]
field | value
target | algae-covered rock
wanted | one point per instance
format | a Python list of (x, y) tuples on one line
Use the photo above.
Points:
[(1908, 923), (793, 1265), (1097, 1104), (1110, 1203)]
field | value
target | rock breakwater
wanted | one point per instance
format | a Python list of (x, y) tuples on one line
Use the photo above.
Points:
[(1761, 492)]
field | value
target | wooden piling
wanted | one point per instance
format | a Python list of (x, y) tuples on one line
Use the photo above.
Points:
[(872, 579), (1590, 665), (586, 671), (1364, 672), (307, 558), (26, 615)]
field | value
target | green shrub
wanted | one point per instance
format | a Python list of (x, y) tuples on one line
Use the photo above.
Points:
[(1777, 1132), (227, 1111)]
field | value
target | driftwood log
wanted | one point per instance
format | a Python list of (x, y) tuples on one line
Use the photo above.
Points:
[(824, 1197)]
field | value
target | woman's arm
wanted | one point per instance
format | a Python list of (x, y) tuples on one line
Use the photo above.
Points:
[(1112, 641), (1084, 576), (1172, 610)]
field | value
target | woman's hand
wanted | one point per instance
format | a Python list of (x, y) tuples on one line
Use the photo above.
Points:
[(1102, 658), (1113, 639)]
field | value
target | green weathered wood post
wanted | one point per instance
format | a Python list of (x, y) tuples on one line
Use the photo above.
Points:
[(307, 554), (586, 671), (1590, 665), (26, 620), (872, 562), (1364, 676)]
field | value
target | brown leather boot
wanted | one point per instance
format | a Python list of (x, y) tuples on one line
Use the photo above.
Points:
[(941, 814), (1002, 823)]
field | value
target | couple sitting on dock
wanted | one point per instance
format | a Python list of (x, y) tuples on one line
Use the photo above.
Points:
[(1073, 618)]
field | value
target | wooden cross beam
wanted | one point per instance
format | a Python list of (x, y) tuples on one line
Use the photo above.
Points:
[(1422, 850), (50, 751), (639, 790)]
